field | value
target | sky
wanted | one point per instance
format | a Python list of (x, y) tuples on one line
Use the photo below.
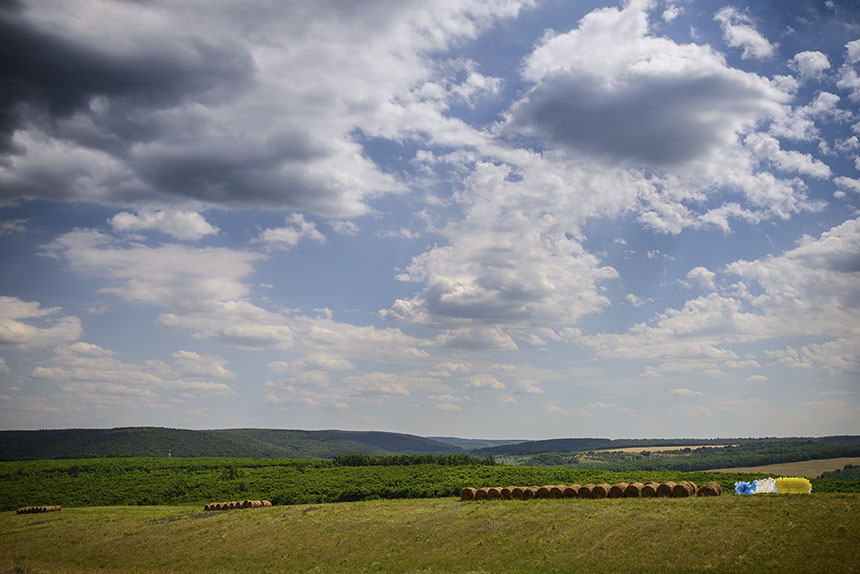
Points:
[(489, 219)]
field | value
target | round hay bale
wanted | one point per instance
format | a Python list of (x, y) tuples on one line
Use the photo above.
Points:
[(710, 489), (494, 493), (571, 491), (694, 487), (601, 490), (618, 490), (517, 493), (586, 491), (542, 492), (665, 488), (468, 493), (507, 492), (481, 493), (529, 492), (684, 489), (649, 489), (266, 503), (556, 491), (633, 490)]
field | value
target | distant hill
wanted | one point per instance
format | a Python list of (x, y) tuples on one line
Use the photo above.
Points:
[(474, 443), (251, 443), (549, 445), (585, 444)]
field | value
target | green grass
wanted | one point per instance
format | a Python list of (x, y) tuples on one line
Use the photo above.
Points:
[(820, 532)]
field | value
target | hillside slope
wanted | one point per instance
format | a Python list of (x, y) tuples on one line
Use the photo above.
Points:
[(254, 443)]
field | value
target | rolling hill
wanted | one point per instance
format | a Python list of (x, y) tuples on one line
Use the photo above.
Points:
[(254, 443)]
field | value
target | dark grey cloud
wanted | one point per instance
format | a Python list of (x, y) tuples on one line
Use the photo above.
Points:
[(46, 78), (658, 121), (163, 103)]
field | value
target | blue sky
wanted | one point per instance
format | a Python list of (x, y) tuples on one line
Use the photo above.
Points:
[(497, 219)]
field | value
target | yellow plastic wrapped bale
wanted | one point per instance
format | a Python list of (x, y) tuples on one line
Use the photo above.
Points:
[(793, 485)]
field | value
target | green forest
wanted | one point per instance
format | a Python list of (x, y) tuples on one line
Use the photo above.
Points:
[(256, 443)]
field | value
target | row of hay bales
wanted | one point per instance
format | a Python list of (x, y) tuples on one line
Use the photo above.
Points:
[(604, 490), (236, 504), (37, 509)]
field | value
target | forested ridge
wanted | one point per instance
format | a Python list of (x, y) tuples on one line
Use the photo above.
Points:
[(255, 443)]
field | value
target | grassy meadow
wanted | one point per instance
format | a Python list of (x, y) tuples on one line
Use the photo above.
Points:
[(819, 532)]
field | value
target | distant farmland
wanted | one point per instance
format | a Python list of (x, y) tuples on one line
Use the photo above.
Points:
[(662, 448), (807, 468)]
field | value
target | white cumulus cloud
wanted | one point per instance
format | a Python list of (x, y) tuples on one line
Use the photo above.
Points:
[(186, 225)]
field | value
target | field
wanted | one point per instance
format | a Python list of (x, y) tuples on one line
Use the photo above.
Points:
[(728, 533), (807, 468), (152, 481), (660, 448)]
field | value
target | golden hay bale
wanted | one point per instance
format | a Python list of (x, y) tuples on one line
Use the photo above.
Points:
[(517, 492), (618, 490), (542, 492), (665, 488), (682, 490), (557, 491), (649, 489), (586, 490), (601, 490), (468, 493), (633, 490), (494, 493), (710, 489), (687, 488), (507, 492), (529, 492), (266, 503), (571, 491), (481, 493)]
